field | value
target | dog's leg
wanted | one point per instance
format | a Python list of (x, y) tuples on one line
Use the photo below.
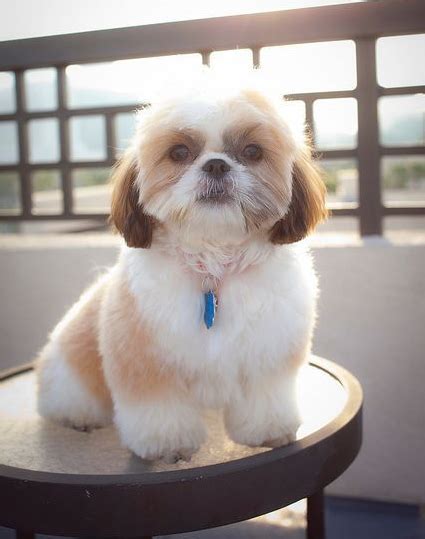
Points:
[(154, 411), (265, 412), (168, 426), (71, 385)]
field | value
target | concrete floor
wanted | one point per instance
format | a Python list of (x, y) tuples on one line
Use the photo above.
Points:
[(345, 519)]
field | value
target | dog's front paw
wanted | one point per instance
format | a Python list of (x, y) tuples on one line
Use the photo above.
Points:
[(265, 414), (168, 450), (265, 435), (272, 428), (160, 431), (284, 439), (168, 446), (182, 454)]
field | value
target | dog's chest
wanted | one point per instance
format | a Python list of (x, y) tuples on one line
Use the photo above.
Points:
[(260, 312)]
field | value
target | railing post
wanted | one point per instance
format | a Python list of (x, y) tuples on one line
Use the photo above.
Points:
[(370, 207), (67, 190), (25, 179)]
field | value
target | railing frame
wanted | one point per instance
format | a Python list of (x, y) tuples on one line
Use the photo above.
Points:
[(361, 22)]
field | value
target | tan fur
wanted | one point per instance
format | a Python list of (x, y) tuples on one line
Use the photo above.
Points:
[(79, 344), (271, 188), (307, 207), (135, 372), (259, 100), (126, 212), (159, 170)]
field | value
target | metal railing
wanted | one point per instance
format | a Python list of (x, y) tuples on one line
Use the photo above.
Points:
[(362, 22)]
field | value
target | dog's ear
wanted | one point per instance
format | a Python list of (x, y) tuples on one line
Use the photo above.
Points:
[(127, 213), (307, 207)]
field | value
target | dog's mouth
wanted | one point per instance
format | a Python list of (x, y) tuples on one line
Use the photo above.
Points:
[(217, 197), (217, 192)]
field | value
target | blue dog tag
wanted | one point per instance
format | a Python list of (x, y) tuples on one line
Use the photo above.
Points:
[(209, 308)]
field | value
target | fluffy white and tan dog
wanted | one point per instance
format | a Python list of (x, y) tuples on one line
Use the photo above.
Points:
[(209, 304)]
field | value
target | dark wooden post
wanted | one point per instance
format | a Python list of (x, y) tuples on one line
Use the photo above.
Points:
[(370, 208)]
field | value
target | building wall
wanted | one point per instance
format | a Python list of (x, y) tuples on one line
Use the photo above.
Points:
[(371, 320)]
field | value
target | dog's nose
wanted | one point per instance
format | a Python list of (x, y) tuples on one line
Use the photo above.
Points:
[(216, 168)]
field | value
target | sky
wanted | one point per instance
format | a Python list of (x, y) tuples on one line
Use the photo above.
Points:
[(32, 18)]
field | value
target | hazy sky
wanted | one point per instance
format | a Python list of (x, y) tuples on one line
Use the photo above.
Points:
[(31, 18)]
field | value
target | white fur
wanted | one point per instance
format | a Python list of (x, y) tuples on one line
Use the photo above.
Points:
[(273, 299), (63, 397), (265, 314), (266, 413), (171, 428)]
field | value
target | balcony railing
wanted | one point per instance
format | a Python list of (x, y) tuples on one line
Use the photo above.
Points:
[(363, 23)]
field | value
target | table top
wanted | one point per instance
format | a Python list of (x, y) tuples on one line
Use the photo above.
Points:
[(48, 467)]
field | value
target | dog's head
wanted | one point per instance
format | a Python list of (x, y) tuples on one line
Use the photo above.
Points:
[(216, 167)]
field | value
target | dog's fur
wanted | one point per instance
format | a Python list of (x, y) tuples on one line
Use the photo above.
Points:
[(134, 348)]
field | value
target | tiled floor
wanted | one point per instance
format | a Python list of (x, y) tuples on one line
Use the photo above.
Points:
[(346, 519)]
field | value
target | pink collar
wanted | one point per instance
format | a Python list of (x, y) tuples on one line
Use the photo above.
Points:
[(215, 274)]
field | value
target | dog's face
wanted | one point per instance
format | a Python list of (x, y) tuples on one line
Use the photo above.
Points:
[(216, 168)]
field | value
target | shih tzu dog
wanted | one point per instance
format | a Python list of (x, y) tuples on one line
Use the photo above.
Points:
[(210, 303)]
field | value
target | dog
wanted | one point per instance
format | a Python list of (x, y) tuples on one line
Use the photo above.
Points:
[(212, 301)]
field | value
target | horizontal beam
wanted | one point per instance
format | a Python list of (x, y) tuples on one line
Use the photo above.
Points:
[(404, 210), (312, 96), (327, 23), (68, 112), (107, 163), (341, 210), (336, 210), (402, 150), (335, 154), (17, 217), (402, 90)]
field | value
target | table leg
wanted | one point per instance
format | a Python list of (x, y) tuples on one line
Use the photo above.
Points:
[(316, 516), (20, 534)]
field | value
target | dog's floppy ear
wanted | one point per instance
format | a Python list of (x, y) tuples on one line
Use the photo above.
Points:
[(307, 207), (126, 212)]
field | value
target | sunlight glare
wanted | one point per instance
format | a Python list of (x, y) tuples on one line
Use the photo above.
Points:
[(335, 123), (311, 67), (128, 81)]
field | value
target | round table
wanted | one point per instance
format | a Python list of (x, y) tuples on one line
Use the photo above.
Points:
[(58, 481)]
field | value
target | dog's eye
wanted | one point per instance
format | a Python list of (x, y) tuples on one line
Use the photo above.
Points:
[(252, 152), (179, 153)]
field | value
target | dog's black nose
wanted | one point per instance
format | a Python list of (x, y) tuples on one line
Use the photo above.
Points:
[(216, 168)]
